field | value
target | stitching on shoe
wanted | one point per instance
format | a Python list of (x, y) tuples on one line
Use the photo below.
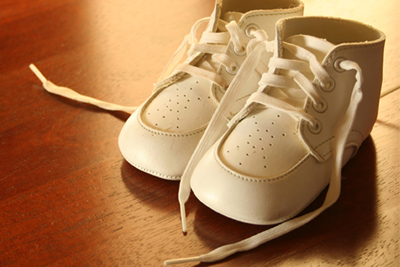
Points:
[(326, 63), (332, 137), (272, 14), (168, 134), (174, 78), (348, 142), (193, 60), (264, 180), (257, 180), (357, 46), (167, 177)]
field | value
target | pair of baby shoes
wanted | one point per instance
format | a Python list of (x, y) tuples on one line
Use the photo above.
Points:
[(161, 136), (261, 116)]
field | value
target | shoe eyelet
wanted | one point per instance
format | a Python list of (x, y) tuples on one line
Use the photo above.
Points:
[(315, 129), (336, 64), (250, 28), (321, 107), (232, 70), (241, 52), (329, 86)]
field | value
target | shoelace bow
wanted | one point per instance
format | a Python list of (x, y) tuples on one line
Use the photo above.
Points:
[(213, 43), (214, 131)]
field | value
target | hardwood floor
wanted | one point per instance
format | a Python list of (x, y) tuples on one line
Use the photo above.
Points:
[(67, 196)]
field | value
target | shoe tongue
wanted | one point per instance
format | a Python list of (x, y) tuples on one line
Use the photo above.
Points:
[(229, 16), (319, 47)]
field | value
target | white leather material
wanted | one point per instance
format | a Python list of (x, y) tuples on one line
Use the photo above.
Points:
[(183, 107), (265, 20), (257, 200), (263, 144), (161, 136), (267, 168), (369, 56), (158, 153)]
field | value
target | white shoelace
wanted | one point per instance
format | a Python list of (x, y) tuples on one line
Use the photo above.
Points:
[(218, 121), (213, 43), (214, 131), (71, 94)]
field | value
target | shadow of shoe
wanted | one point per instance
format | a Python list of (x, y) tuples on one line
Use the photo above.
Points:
[(150, 190), (340, 232)]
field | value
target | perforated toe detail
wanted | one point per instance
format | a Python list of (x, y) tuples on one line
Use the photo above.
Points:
[(182, 107), (261, 146)]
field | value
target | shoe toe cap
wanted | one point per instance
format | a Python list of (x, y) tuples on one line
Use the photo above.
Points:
[(159, 153), (254, 200)]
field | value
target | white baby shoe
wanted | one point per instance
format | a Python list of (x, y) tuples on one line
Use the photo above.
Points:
[(311, 112), (160, 137)]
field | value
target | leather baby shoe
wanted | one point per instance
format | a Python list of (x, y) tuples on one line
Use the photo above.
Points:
[(311, 112), (160, 137)]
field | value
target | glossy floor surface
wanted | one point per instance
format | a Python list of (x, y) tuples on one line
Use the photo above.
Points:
[(67, 196)]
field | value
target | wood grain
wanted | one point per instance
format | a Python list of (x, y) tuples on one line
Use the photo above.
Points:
[(67, 197)]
